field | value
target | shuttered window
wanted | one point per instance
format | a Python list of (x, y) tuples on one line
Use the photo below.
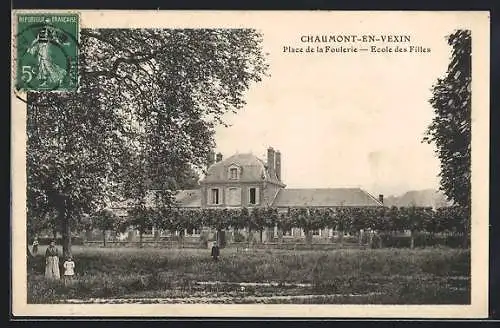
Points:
[(253, 194), (214, 196)]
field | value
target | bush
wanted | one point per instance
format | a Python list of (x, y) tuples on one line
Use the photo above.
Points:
[(238, 237), (421, 240), (204, 240), (75, 240)]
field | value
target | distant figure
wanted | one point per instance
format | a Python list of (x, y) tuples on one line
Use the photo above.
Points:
[(69, 270), (215, 251), (35, 246), (52, 262)]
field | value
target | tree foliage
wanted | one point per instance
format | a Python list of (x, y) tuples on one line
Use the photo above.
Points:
[(394, 219), (450, 129), (145, 110), (105, 220)]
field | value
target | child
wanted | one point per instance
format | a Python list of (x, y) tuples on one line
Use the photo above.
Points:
[(69, 271)]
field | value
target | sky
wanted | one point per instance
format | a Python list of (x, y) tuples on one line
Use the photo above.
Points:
[(345, 120)]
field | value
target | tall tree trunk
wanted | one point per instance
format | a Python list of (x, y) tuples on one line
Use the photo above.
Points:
[(66, 227), (220, 241), (308, 236), (280, 236), (181, 238), (140, 238), (465, 240), (66, 238), (104, 237), (467, 228), (412, 239), (261, 232), (341, 238), (88, 235)]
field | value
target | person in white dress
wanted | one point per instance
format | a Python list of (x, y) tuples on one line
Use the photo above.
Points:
[(69, 270), (52, 262)]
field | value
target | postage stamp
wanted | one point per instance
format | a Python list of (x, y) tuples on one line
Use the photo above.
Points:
[(47, 52), (219, 164)]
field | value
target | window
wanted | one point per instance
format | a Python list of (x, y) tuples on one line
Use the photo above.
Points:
[(253, 196), (233, 196), (214, 196), (233, 173)]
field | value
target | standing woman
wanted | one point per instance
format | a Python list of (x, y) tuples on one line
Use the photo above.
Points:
[(52, 262)]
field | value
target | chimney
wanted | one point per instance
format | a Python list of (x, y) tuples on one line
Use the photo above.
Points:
[(278, 165), (381, 198), (219, 157), (270, 160)]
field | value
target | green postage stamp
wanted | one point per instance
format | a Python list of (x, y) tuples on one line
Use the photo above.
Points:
[(47, 52)]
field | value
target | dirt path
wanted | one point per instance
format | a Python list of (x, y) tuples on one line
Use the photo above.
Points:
[(213, 299)]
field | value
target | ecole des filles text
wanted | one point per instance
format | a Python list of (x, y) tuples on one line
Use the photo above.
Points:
[(354, 49)]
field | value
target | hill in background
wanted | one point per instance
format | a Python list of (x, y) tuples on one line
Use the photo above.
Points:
[(419, 198)]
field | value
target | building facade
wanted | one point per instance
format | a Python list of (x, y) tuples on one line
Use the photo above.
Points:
[(244, 180)]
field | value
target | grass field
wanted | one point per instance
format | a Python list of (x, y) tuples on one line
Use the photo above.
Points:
[(150, 275)]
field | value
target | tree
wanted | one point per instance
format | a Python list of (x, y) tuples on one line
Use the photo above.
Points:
[(147, 106), (343, 218), (44, 222), (284, 223), (450, 129), (141, 218), (414, 222), (308, 220), (262, 218), (218, 219), (243, 221), (188, 178), (237, 218), (270, 218), (105, 220)]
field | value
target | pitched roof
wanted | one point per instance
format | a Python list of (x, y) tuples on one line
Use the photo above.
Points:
[(189, 198), (183, 198), (324, 197), (252, 169)]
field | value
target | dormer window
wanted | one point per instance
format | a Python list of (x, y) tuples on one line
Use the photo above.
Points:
[(234, 172)]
